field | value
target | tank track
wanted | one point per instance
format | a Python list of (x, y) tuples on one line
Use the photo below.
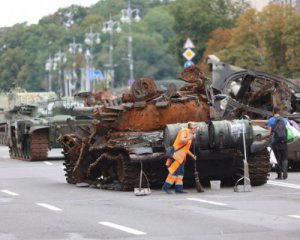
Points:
[(71, 154), (259, 167), (111, 170), (34, 147)]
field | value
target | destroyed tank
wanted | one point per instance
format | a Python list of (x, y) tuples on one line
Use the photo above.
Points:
[(31, 122), (136, 132), (236, 92)]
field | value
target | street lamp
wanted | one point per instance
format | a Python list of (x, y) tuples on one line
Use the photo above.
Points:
[(127, 15), (108, 27), (49, 66), (66, 17), (60, 58), (90, 38), (73, 49)]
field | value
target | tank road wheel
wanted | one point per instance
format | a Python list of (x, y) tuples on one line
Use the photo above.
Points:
[(143, 89), (259, 167), (114, 172)]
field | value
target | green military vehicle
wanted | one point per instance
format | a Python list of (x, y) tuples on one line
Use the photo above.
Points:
[(31, 122)]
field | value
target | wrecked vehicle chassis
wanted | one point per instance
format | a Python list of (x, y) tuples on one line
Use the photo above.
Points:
[(115, 163)]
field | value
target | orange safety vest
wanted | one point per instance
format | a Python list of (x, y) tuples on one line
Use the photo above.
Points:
[(180, 155)]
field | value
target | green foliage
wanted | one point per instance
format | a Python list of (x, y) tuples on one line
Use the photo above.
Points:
[(157, 40), (30, 46), (266, 40), (11, 67), (197, 19)]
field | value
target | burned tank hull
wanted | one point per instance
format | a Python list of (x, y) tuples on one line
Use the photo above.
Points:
[(115, 164), (140, 128)]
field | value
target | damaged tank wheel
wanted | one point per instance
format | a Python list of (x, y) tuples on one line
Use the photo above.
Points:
[(143, 89)]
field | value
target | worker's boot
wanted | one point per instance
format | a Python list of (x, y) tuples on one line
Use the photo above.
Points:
[(285, 169), (179, 189), (166, 188)]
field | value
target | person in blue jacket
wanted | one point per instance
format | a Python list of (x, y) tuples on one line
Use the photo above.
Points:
[(279, 147)]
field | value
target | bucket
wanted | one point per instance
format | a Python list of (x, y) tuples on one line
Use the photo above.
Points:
[(215, 185)]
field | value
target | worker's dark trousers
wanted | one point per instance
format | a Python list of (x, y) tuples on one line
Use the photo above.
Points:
[(281, 154), (177, 178)]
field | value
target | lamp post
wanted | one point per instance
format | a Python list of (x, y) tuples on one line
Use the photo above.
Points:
[(49, 66), (73, 49), (127, 15), (90, 38), (108, 27), (60, 58), (67, 17)]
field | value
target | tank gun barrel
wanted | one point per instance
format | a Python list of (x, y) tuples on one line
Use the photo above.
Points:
[(84, 109)]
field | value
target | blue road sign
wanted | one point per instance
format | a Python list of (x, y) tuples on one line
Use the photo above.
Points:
[(188, 63), (95, 74)]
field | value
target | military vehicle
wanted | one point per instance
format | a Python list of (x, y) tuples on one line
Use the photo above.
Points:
[(236, 92), (138, 130), (31, 122)]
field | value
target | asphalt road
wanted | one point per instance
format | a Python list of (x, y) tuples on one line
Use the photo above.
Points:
[(36, 203)]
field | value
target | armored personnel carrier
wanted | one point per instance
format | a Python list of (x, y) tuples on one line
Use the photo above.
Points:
[(31, 122), (138, 129)]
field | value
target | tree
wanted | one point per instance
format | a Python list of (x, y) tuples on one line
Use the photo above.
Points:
[(291, 40), (10, 67), (266, 41), (197, 19)]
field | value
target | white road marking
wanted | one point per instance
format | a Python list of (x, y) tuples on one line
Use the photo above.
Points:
[(48, 163), (282, 184), (45, 205), (205, 201), (122, 228), (9, 192), (294, 216)]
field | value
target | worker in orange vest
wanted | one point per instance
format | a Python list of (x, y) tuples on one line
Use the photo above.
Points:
[(175, 165)]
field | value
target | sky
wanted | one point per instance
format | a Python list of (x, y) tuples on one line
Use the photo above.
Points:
[(259, 4), (31, 11)]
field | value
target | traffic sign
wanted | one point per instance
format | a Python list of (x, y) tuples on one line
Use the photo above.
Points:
[(189, 54), (98, 73), (188, 44), (188, 63), (93, 74)]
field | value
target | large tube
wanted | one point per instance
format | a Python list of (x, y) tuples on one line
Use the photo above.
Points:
[(229, 134), (216, 134)]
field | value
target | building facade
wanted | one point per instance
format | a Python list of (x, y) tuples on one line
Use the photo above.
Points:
[(294, 3)]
